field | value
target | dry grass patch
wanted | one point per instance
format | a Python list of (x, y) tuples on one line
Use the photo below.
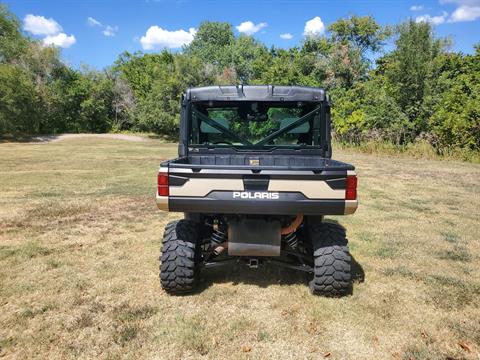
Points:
[(79, 244)]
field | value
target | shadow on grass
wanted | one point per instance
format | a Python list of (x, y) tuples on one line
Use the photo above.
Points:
[(237, 272), (358, 274), (26, 138), (165, 138), (266, 275)]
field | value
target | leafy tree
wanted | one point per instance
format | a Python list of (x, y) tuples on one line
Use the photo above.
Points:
[(12, 43), (213, 43), (18, 101), (340, 59), (361, 32), (159, 110), (245, 50), (344, 66), (456, 119), (141, 70), (409, 71), (123, 104), (367, 112), (287, 68)]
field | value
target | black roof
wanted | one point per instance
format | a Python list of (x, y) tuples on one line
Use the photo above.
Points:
[(255, 93)]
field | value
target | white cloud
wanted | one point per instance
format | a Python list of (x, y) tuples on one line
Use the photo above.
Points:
[(416, 8), (156, 37), (50, 29), (61, 40), (108, 30), (93, 22), (467, 10), (249, 28), (434, 20), (465, 13), (39, 25), (314, 27), (286, 36)]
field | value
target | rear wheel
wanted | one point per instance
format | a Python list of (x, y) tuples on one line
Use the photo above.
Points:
[(332, 261), (180, 256)]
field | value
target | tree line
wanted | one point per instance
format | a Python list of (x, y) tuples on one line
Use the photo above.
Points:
[(417, 91)]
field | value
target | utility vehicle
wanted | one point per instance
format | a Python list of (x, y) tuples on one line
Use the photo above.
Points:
[(254, 178)]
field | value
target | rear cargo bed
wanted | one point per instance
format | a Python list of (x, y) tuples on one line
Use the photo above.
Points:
[(259, 161)]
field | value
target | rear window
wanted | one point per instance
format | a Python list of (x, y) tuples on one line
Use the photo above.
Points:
[(252, 124)]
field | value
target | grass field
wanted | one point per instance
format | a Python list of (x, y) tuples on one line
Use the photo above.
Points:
[(80, 238)]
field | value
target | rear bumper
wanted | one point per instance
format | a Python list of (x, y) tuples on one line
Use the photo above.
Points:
[(287, 204)]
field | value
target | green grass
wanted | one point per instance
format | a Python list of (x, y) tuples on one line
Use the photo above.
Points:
[(418, 150), (79, 244)]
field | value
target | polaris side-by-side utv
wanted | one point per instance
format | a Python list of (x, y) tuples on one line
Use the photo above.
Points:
[(254, 177)]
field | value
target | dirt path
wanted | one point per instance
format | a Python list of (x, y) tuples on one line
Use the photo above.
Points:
[(55, 138)]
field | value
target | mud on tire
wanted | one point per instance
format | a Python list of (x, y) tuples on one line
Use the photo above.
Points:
[(179, 257), (332, 262)]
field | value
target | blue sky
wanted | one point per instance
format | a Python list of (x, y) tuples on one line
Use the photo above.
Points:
[(96, 32)]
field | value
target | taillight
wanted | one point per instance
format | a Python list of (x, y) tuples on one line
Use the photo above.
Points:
[(351, 189), (162, 183)]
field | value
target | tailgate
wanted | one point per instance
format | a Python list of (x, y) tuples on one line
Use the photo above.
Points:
[(247, 190)]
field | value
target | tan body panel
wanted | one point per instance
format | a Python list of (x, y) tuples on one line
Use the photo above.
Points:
[(350, 206), (202, 186), (312, 189), (162, 202)]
